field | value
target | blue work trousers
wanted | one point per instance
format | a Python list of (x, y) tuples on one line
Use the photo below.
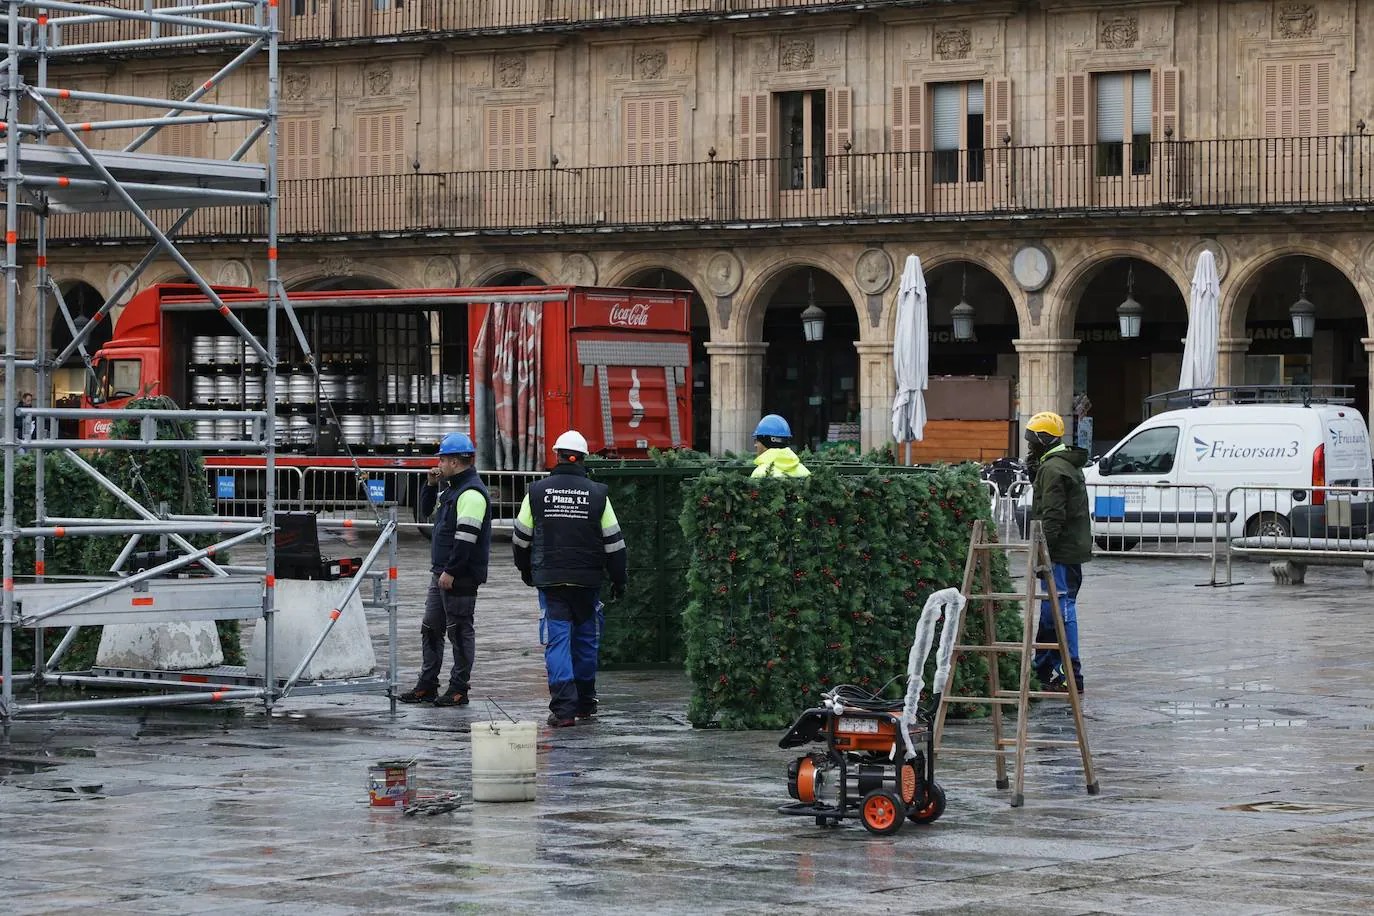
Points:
[(570, 623), (1068, 577)]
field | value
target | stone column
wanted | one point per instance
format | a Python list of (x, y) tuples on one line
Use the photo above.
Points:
[(877, 388), (1369, 349), (736, 393), (1046, 376), (1231, 360)]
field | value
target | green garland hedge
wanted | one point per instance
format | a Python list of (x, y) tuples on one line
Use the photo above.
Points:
[(172, 475), (798, 585)]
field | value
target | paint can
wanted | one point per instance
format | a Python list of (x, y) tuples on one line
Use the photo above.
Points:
[(391, 783)]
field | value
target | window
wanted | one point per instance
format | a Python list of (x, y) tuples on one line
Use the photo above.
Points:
[(801, 116), (511, 137), (1297, 98), (1125, 110), (381, 143), (651, 130), (300, 148), (1148, 452), (182, 140), (957, 131), (116, 378)]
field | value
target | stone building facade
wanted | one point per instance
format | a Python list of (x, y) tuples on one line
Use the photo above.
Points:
[(1044, 159)]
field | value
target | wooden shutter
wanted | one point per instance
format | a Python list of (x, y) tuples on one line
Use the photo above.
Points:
[(755, 129), (652, 131), (380, 142), (1164, 96), (839, 121), (511, 136), (301, 153), (1071, 112), (1296, 98), (907, 120), (182, 140), (996, 112)]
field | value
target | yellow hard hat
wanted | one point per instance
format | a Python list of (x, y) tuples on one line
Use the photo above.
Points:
[(1051, 424)]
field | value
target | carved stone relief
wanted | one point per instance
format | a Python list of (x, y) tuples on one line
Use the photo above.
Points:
[(797, 54), (1294, 20), (723, 273), (1117, 32), (235, 273), (1218, 251), (440, 273), (578, 270), (510, 70), (873, 271), (953, 44), (339, 266), (296, 85), (650, 63), (377, 79), (180, 86), (118, 275)]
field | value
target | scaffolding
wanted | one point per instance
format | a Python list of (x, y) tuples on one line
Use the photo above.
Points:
[(53, 165)]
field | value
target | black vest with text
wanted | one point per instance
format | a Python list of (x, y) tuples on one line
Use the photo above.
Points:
[(567, 548)]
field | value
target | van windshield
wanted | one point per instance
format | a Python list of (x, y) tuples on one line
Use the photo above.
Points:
[(1150, 451)]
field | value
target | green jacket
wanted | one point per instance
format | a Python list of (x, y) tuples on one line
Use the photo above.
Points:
[(1060, 503)]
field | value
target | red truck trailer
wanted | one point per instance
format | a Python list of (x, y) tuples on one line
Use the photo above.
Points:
[(398, 369)]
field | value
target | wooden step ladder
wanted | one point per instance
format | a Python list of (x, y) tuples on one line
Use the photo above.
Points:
[(978, 571)]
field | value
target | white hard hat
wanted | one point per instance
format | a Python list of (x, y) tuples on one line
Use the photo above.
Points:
[(571, 441)]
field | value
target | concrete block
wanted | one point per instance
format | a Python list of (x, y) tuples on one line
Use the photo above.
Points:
[(162, 646), (1287, 572), (303, 608)]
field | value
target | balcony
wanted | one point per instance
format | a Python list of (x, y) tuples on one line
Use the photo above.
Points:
[(311, 21), (1321, 174)]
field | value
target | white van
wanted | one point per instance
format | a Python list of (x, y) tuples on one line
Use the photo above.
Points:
[(1159, 481)]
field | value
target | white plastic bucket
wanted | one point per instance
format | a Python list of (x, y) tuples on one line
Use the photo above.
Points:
[(503, 761)]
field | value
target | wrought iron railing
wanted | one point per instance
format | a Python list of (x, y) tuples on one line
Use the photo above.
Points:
[(1325, 173), (328, 20)]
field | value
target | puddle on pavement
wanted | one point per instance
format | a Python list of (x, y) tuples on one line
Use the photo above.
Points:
[(1291, 807), (20, 766), (1234, 716)]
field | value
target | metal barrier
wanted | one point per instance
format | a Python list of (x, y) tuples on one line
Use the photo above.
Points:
[(346, 493), (239, 490), (1156, 520), (1328, 525)]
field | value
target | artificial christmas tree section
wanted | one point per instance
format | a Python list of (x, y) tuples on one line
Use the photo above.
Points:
[(796, 585)]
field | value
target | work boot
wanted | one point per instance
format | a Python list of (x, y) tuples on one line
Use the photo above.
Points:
[(418, 695), (555, 722), (589, 710), (451, 697)]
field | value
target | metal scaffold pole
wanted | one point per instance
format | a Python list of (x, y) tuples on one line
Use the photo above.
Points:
[(13, 91)]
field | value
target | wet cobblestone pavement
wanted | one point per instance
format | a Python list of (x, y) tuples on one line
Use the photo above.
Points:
[(1233, 732)]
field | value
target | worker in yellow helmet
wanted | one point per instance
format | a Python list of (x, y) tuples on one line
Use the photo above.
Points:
[(1060, 504)]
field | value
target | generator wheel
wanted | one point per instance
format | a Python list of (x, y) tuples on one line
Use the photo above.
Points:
[(933, 808), (882, 812)]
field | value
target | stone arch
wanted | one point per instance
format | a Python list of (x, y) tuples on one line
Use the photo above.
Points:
[(1239, 286), (1067, 289), (83, 300), (317, 280), (940, 259), (512, 270), (757, 291)]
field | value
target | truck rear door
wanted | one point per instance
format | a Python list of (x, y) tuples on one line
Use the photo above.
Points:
[(631, 367)]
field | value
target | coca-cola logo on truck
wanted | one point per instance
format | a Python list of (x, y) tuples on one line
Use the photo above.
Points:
[(630, 316), (102, 427)]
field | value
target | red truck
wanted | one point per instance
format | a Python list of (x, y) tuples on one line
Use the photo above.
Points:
[(398, 369)]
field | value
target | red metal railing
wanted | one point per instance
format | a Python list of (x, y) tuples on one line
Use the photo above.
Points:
[(1201, 175)]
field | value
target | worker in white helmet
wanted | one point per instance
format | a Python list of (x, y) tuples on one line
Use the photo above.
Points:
[(567, 541)]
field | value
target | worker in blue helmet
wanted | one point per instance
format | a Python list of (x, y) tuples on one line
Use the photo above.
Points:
[(773, 455), (459, 554)]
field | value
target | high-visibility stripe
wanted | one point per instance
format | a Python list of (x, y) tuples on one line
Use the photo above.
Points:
[(142, 602)]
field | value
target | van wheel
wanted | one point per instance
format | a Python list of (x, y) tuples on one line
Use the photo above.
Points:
[(1268, 524), (1115, 542)]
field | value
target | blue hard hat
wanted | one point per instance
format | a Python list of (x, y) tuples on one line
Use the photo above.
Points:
[(457, 444), (773, 427)]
